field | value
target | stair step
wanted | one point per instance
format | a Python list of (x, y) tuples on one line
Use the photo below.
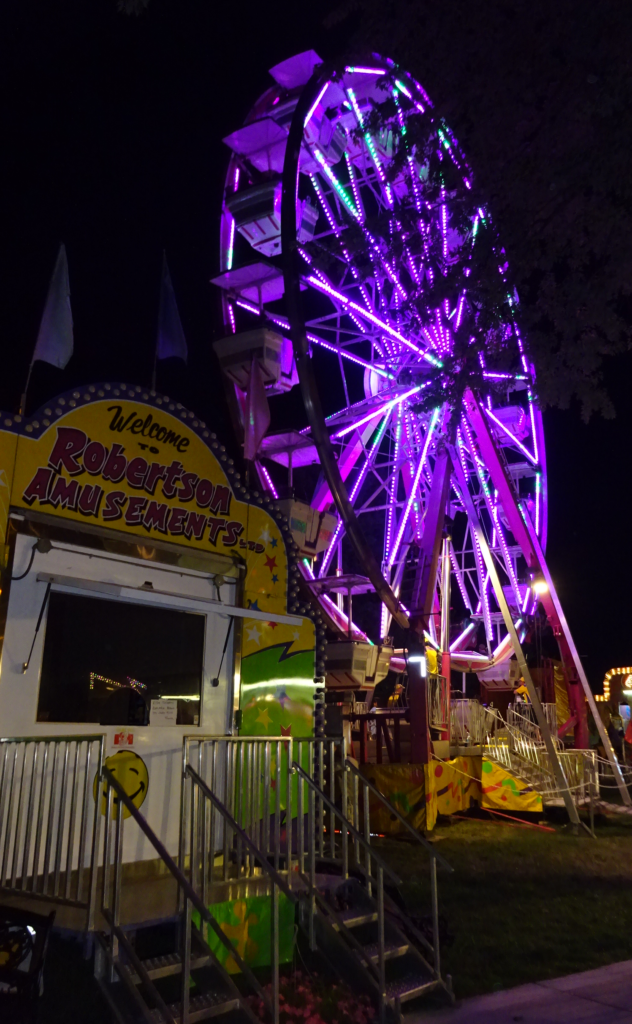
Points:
[(392, 950), (410, 987), (163, 966), (354, 917), (211, 1004)]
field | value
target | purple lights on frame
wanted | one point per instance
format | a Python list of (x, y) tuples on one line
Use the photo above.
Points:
[(377, 333)]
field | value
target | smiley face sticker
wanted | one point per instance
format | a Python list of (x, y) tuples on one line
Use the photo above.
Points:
[(131, 772)]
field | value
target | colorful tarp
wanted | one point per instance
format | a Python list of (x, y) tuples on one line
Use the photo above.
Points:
[(451, 786), (404, 785), (421, 792), (246, 922), (504, 792)]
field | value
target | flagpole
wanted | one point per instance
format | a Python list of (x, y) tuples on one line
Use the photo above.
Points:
[(26, 387)]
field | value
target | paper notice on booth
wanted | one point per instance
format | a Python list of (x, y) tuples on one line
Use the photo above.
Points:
[(163, 712)]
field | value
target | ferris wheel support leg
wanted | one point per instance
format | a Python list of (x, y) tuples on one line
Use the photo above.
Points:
[(423, 599), (526, 537), (543, 725)]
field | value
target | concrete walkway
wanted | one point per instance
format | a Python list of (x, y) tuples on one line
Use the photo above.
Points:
[(603, 996)]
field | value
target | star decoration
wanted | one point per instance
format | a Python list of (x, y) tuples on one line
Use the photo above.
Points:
[(265, 535), (273, 542), (272, 625), (253, 634), (255, 606), (282, 697), (286, 730), (275, 579), (271, 562), (295, 634), (264, 717)]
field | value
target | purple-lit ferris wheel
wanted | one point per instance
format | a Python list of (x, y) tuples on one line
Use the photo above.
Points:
[(350, 227)]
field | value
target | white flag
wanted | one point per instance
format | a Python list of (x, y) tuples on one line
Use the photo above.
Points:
[(55, 341), (170, 342)]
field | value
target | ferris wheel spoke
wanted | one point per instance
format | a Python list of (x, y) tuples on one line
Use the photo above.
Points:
[(391, 555), (377, 440)]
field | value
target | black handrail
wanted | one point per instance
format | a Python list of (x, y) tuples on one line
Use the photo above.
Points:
[(190, 893), (350, 828), (245, 838)]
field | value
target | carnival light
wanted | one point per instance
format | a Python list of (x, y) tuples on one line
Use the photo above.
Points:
[(322, 286), (378, 412), (315, 104)]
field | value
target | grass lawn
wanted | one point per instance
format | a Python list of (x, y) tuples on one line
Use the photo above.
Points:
[(524, 905)]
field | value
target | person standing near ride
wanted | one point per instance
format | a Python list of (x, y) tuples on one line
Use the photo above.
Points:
[(521, 694)]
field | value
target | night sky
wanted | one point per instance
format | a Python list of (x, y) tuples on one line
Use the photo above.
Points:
[(111, 131)]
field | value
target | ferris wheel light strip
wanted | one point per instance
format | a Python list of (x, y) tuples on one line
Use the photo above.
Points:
[(268, 479), (370, 145), (378, 412), (365, 71), (415, 485), (315, 104), (459, 579), (323, 287), (354, 491), (282, 321), (515, 440), (334, 181)]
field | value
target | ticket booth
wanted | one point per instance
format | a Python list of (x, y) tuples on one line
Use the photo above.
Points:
[(144, 600)]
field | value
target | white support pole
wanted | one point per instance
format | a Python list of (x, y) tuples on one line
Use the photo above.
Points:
[(603, 735), (543, 725)]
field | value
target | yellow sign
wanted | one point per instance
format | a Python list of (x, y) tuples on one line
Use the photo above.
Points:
[(131, 771), (139, 464)]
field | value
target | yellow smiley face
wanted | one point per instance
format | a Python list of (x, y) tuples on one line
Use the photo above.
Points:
[(131, 772)]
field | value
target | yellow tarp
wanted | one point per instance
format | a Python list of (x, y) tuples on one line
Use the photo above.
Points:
[(404, 786), (562, 705), (422, 792), (451, 786), (502, 791)]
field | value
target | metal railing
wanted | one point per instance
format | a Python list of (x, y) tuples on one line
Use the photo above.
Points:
[(130, 964), (528, 758), (521, 717), (360, 818), (210, 823), (438, 702), (470, 722), (354, 850), (252, 777), (49, 818)]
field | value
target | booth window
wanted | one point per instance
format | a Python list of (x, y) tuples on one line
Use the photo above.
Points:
[(105, 661)]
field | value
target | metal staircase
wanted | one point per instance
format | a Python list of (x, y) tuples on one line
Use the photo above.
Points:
[(358, 925), (182, 986), (517, 745), (343, 894)]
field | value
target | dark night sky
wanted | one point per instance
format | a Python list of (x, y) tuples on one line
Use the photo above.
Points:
[(111, 133)]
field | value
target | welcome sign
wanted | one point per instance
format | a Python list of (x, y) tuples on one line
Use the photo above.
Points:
[(141, 465)]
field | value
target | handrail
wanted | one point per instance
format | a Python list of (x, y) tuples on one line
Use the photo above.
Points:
[(359, 838), (245, 838), (393, 810), (187, 888)]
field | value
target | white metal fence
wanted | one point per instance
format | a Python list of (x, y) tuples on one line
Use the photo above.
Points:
[(49, 817)]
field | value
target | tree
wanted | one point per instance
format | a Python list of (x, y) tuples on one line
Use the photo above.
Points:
[(539, 96)]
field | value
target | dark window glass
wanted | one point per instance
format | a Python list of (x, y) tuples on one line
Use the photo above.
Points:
[(100, 656)]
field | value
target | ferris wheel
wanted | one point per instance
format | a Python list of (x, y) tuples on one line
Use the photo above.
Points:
[(349, 220)]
